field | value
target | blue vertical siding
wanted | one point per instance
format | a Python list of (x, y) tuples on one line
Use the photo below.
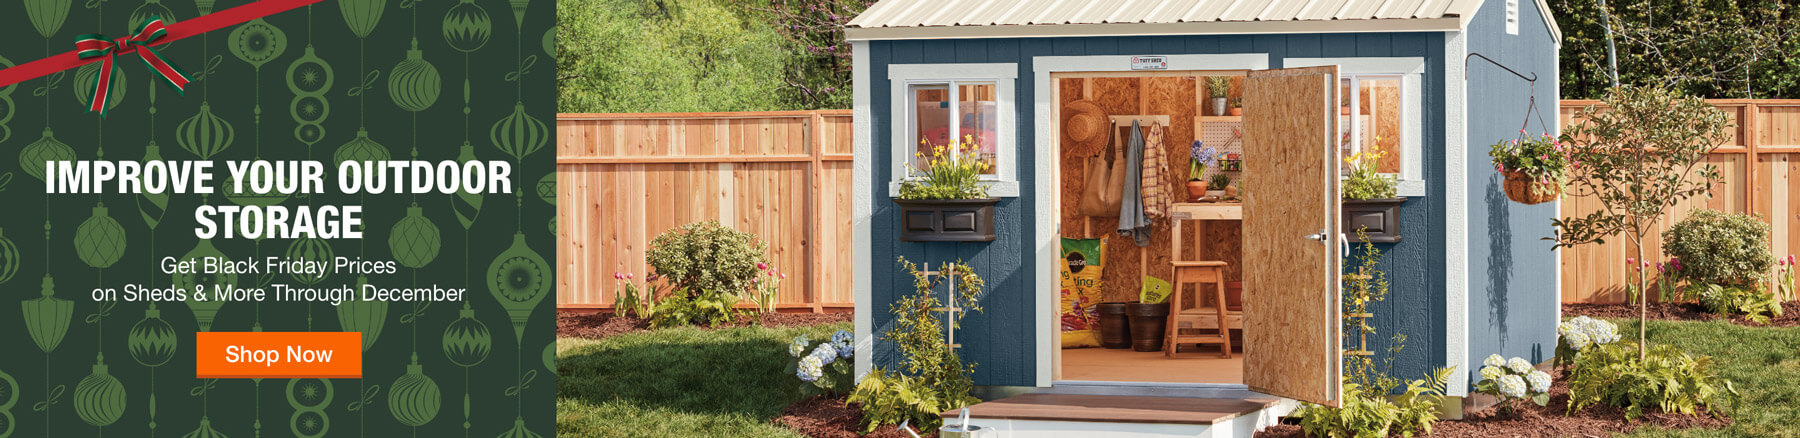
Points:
[(1002, 340), (1513, 297)]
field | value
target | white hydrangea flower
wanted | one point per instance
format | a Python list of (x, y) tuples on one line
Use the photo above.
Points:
[(810, 369), (1539, 380), (1519, 365), (1511, 385), (1492, 373), (1494, 361), (798, 347), (826, 353), (1577, 340)]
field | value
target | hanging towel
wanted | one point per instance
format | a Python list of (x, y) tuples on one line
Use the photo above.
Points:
[(1156, 164), (1132, 221)]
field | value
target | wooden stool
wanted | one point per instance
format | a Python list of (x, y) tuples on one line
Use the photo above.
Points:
[(1196, 273)]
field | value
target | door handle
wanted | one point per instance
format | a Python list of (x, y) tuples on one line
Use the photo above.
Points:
[(1321, 237), (1344, 243)]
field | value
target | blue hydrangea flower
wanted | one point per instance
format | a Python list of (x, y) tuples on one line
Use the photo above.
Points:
[(1492, 373), (845, 343), (1519, 365), (810, 369), (1539, 380), (1494, 361), (826, 353), (1511, 385), (798, 347)]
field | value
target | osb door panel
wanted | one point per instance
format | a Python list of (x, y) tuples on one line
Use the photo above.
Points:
[(1291, 324)]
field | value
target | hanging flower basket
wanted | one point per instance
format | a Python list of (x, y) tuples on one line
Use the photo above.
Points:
[(1524, 189)]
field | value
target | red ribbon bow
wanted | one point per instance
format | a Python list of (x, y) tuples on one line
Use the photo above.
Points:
[(95, 45)]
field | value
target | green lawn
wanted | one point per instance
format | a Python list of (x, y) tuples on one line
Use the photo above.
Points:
[(1762, 362), (678, 382)]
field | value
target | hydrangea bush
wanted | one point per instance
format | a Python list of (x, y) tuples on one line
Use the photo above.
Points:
[(824, 366), (1581, 334), (1513, 379)]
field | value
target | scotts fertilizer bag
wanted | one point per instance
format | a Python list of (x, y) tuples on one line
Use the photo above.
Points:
[(1081, 291)]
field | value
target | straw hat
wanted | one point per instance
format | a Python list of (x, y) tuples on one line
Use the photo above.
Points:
[(1084, 127)]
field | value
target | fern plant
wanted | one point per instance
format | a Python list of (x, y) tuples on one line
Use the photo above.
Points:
[(1750, 301), (931, 378), (1363, 415), (1666, 378)]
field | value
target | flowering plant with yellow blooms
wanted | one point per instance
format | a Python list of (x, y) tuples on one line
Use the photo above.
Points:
[(952, 172), (1364, 181)]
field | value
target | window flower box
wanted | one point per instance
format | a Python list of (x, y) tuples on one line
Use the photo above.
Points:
[(947, 220), (1381, 216)]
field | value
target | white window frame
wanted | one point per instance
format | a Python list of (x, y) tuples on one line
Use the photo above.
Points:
[(1410, 70), (902, 77)]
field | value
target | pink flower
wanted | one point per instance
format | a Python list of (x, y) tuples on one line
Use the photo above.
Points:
[(1631, 260), (783, 276), (627, 275), (1659, 267), (618, 276), (652, 277), (1790, 259), (762, 266)]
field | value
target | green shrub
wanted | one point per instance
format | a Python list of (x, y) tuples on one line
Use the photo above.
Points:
[(1750, 301), (679, 309), (706, 257), (1667, 378), (1372, 416), (1364, 181), (931, 377), (1716, 247), (824, 367)]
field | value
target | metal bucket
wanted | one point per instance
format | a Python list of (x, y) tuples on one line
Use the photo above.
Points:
[(963, 429)]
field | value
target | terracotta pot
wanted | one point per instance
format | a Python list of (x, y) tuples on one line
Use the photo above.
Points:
[(1523, 189), (1235, 111), (1196, 189)]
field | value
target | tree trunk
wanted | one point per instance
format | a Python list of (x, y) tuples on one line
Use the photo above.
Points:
[(1643, 305)]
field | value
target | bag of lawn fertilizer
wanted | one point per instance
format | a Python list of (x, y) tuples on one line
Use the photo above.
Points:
[(1082, 259), (1155, 290)]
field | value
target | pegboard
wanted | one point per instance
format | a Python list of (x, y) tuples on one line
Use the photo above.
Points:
[(1218, 133)]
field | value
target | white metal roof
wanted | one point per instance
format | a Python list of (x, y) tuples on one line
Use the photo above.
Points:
[(917, 19)]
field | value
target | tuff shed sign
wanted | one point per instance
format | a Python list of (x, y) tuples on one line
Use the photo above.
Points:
[(1149, 63)]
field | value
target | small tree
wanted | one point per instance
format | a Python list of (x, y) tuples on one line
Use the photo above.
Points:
[(1639, 155)]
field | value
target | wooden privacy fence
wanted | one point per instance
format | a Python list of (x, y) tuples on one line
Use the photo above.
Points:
[(625, 178), (1760, 164)]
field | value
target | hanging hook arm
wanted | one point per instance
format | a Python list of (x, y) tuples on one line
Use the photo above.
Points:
[(1532, 79)]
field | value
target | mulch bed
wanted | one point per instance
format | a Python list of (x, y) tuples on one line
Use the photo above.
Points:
[(1530, 420), (824, 417), (600, 325), (1790, 313)]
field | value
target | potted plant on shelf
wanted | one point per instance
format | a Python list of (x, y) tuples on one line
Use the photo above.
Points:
[(1536, 169), (1370, 203), (1199, 156), (1237, 107), (1219, 88), (1216, 188), (945, 201)]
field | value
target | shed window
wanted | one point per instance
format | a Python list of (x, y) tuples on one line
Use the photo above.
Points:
[(1371, 114), (964, 112)]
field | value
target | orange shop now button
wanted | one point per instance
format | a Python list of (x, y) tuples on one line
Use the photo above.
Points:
[(279, 355)]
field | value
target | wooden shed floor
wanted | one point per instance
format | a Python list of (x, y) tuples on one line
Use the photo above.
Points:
[(1115, 408), (1198, 366)]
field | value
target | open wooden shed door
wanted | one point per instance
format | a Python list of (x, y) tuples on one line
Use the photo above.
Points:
[(1291, 242)]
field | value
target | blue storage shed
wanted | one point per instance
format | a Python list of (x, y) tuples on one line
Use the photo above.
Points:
[(1307, 83)]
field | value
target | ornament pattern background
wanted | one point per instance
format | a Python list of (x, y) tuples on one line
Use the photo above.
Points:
[(476, 68)]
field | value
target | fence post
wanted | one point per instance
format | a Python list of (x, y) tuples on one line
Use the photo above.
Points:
[(815, 135), (1751, 133)]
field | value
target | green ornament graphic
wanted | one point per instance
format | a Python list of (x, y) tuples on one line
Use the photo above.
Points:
[(519, 134), (152, 340), (414, 84), (550, 357), (257, 42), (519, 431), (362, 15), (87, 77), (152, 206), (546, 188), (205, 430), (204, 134), (100, 398), (100, 240), (47, 317), (368, 317), (550, 41), (312, 250), (205, 6), (309, 398), (9, 395), (467, 204), (204, 309), (414, 398), (518, 8), (414, 240), (466, 340), (310, 78), (7, 106), (467, 26), (47, 15), (33, 156), (152, 8), (518, 278), (9, 258), (361, 148)]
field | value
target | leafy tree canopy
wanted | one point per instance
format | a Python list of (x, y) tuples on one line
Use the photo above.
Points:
[(1706, 48)]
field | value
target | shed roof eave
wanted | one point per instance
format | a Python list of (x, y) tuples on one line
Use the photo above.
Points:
[(1444, 24)]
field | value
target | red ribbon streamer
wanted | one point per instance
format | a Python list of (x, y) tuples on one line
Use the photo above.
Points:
[(197, 25), (96, 45)]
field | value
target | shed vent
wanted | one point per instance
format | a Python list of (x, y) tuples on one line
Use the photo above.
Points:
[(1512, 17)]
